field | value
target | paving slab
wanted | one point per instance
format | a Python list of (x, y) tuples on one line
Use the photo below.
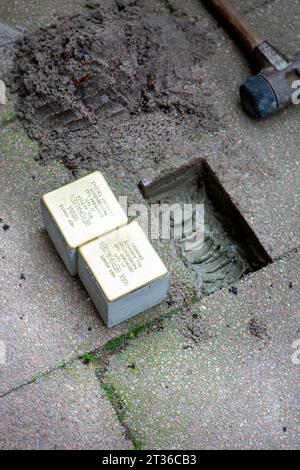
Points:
[(46, 316), (44, 313), (63, 410), (225, 375)]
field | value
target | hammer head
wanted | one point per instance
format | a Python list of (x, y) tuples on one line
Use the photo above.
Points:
[(271, 89)]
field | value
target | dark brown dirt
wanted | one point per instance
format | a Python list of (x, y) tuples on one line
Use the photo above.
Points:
[(258, 329), (196, 329), (119, 85)]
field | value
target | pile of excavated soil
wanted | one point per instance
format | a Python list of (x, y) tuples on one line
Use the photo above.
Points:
[(118, 85)]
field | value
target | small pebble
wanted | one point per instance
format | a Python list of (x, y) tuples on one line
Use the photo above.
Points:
[(2, 93), (233, 290)]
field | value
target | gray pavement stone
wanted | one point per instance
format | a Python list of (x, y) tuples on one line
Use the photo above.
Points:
[(46, 315), (224, 375), (63, 410), (46, 318)]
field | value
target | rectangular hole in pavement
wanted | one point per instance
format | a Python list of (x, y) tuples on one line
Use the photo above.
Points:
[(231, 249)]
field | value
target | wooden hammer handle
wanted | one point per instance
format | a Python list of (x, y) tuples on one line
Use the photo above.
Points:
[(236, 23)]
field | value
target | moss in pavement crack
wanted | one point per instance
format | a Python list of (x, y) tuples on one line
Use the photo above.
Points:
[(121, 342)]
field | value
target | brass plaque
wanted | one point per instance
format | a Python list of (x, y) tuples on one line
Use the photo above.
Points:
[(123, 261), (85, 209)]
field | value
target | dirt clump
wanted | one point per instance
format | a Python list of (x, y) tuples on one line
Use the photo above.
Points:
[(118, 85), (258, 328)]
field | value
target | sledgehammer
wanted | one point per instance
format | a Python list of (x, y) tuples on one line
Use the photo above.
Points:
[(273, 86)]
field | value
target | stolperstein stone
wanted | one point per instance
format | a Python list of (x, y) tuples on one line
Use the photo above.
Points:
[(122, 274), (78, 213)]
